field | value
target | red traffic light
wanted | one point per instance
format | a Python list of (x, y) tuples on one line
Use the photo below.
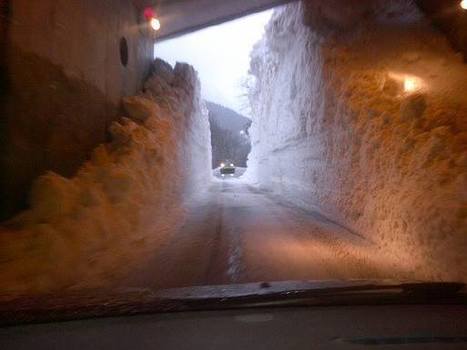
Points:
[(149, 13)]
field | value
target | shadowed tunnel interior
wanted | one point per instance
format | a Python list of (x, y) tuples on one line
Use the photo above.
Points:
[(354, 142)]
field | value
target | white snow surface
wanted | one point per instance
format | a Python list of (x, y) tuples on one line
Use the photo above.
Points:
[(335, 130), (123, 202)]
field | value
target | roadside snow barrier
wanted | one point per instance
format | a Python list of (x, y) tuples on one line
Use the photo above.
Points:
[(123, 202), (363, 118)]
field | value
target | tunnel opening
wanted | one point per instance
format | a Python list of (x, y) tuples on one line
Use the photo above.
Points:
[(220, 54)]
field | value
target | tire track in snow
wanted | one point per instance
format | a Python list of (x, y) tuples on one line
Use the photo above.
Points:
[(235, 257), (225, 262), (232, 213)]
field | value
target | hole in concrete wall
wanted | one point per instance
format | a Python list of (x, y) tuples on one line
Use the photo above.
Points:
[(124, 51)]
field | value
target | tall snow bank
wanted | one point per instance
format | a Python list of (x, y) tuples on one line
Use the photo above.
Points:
[(123, 202), (360, 112)]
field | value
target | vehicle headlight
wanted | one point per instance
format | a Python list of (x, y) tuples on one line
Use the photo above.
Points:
[(222, 165)]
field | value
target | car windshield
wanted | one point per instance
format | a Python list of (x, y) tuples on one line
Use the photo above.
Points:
[(148, 146)]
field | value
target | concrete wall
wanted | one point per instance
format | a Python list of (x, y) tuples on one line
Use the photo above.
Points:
[(65, 81)]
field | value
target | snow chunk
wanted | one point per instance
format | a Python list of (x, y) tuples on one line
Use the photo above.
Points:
[(413, 107), (139, 108)]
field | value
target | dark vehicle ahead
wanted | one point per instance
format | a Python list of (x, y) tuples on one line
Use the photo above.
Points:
[(227, 168)]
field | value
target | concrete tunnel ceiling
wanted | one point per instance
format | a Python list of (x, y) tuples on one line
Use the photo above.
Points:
[(180, 17)]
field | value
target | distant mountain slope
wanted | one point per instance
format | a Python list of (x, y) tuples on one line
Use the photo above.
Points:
[(229, 135), (227, 118)]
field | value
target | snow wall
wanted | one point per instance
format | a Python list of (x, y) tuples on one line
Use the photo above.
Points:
[(123, 202), (361, 114)]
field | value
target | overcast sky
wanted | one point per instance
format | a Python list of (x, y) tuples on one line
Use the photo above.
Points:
[(220, 54)]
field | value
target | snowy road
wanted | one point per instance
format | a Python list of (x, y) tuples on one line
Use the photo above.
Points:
[(237, 234)]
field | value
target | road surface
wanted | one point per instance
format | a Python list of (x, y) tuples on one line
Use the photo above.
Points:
[(236, 233)]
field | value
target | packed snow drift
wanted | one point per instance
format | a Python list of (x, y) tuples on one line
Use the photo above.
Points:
[(123, 202), (360, 113)]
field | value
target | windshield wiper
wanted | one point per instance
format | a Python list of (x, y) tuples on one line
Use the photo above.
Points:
[(90, 304), (317, 293)]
